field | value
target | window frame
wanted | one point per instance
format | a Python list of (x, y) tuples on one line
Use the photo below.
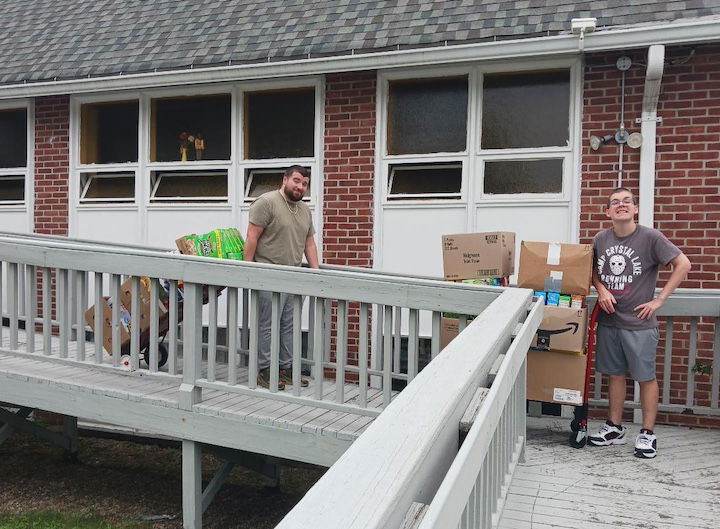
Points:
[(25, 172), (424, 197), (474, 158), (86, 178)]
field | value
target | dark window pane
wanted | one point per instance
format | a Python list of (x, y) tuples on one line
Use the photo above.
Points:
[(13, 131), (259, 181), (280, 124), (428, 115), (12, 188), (109, 132), (199, 126), (120, 186), (526, 110), (179, 185), (527, 176), (429, 179)]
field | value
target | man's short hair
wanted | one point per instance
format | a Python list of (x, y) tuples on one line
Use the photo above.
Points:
[(297, 169), (618, 190)]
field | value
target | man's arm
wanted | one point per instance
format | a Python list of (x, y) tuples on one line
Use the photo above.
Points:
[(253, 234), (311, 252), (605, 298), (680, 268)]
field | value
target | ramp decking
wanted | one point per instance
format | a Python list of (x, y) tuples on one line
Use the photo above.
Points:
[(560, 487)]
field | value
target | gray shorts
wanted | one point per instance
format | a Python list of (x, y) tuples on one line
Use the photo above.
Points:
[(622, 352)]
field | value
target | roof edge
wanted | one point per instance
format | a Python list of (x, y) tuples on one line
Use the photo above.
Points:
[(705, 30)]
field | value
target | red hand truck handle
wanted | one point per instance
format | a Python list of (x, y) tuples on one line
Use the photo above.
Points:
[(590, 349)]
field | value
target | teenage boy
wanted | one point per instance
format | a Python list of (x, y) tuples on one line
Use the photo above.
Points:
[(625, 274)]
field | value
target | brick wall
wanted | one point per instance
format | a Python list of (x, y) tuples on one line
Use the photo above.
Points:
[(687, 197), (349, 179), (52, 128)]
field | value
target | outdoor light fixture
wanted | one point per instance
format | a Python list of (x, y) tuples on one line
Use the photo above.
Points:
[(598, 141), (635, 140), (581, 26)]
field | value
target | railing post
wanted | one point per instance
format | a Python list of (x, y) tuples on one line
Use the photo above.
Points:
[(189, 392)]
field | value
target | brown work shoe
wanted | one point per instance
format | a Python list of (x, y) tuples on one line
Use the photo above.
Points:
[(263, 380), (286, 376)]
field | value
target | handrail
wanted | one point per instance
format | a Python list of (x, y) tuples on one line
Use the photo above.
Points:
[(402, 456)]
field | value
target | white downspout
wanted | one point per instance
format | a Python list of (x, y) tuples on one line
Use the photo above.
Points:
[(648, 129)]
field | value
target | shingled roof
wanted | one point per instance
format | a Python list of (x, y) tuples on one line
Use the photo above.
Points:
[(45, 40)]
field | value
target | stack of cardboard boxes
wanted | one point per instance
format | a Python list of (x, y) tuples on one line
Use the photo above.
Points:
[(560, 274), (478, 259)]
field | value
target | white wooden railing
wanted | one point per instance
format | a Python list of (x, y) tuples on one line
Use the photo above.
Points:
[(406, 465), (67, 276)]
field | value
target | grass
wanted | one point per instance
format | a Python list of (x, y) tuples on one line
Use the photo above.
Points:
[(53, 520)]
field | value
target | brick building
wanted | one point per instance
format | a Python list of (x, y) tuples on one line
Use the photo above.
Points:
[(414, 118)]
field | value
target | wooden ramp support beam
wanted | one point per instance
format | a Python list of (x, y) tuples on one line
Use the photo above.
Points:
[(414, 516), (19, 421), (471, 412)]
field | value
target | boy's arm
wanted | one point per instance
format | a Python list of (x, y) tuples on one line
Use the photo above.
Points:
[(605, 298), (680, 268)]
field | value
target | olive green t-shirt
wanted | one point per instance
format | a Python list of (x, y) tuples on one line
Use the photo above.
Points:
[(287, 227)]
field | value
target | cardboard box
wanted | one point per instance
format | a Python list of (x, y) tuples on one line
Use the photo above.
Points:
[(556, 377), (449, 329), (107, 324), (477, 255), (562, 329), (556, 267)]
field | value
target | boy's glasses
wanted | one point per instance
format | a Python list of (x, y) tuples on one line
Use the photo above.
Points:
[(624, 202)]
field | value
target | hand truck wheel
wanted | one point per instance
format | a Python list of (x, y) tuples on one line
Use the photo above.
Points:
[(163, 355)]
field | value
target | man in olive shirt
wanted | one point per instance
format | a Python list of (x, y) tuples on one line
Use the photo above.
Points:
[(280, 231)]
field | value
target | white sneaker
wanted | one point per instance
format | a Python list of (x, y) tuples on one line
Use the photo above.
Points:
[(609, 434), (646, 445)]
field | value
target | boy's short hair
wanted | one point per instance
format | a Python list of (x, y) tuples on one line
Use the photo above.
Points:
[(618, 190)]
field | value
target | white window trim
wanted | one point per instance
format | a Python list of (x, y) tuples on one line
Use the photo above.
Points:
[(424, 197), (99, 174), (156, 180), (27, 171)]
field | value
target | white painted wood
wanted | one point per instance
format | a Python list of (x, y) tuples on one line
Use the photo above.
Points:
[(341, 350), (232, 335), (275, 341), (413, 344), (254, 339), (154, 324), (318, 347), (47, 310), (364, 331), (378, 491), (115, 317), (297, 344), (12, 292), (135, 323), (190, 393), (473, 409), (173, 328), (192, 485), (387, 353), (31, 307)]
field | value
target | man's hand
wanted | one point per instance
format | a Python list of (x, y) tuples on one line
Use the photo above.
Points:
[(648, 309), (606, 300)]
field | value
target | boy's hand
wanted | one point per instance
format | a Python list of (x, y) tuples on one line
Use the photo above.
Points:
[(649, 308), (606, 301)]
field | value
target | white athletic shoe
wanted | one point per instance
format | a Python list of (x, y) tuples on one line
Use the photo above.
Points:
[(609, 434), (646, 445)]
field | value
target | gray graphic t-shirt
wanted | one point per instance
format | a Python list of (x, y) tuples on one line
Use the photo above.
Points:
[(628, 267)]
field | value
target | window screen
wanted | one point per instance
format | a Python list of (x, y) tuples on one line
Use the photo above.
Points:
[(12, 188), (197, 126), (427, 115), (13, 138), (107, 187), (435, 180), (280, 124), (109, 132), (524, 176), (525, 110), (184, 186)]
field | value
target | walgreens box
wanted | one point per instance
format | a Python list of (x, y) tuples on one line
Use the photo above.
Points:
[(477, 255)]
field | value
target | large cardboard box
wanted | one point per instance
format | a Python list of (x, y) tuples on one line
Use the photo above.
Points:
[(125, 324), (562, 329), (556, 377), (556, 267), (475, 255)]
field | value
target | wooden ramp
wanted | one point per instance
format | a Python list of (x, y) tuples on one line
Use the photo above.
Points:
[(560, 487), (148, 402)]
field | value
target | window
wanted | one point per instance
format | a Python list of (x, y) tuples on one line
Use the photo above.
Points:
[(523, 110), (187, 186), (107, 187), (280, 124), (427, 116), (259, 181), (440, 180), (13, 155), (109, 132), (192, 128), (523, 176)]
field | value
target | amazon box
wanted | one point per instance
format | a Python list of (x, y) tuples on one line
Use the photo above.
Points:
[(478, 255), (556, 267), (556, 377), (562, 329)]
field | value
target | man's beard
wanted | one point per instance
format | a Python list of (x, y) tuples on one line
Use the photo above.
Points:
[(291, 196)]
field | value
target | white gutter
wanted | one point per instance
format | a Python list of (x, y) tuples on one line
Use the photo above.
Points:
[(700, 30), (648, 129)]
